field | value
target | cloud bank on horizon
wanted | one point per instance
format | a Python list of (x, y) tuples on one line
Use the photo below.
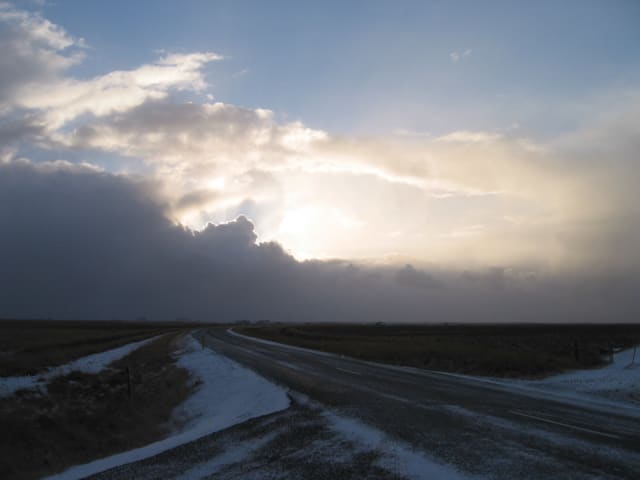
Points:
[(132, 193)]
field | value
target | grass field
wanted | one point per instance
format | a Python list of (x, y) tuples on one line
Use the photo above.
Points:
[(527, 351), (82, 417), (27, 347)]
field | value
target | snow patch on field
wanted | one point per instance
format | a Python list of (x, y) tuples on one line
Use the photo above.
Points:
[(619, 380), (226, 394), (90, 364), (614, 387)]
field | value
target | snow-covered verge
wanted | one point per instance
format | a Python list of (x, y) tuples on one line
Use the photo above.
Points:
[(229, 393), (306, 440), (226, 394), (614, 387), (90, 364), (618, 381), (396, 456)]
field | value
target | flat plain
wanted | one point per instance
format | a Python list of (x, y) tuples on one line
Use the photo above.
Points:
[(501, 350)]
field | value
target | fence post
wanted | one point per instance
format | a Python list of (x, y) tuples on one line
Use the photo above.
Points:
[(129, 386)]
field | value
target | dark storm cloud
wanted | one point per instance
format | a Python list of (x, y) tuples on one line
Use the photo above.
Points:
[(409, 276), (16, 130), (79, 243)]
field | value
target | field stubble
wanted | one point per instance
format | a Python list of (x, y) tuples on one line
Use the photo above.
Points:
[(82, 416), (524, 351)]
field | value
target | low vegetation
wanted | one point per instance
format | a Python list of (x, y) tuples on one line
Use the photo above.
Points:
[(493, 350), (27, 347), (82, 417)]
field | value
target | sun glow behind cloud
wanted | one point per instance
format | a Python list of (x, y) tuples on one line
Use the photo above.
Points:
[(402, 168), (461, 198)]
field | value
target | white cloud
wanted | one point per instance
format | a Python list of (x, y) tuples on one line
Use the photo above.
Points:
[(457, 56), (198, 135), (403, 132), (37, 54), (465, 136), (240, 73), (34, 50), (116, 91), (37, 29)]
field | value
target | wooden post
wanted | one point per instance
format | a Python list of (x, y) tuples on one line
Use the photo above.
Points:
[(129, 386)]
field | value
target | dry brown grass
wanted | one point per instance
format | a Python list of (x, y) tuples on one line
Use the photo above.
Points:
[(84, 417), (494, 350), (27, 347)]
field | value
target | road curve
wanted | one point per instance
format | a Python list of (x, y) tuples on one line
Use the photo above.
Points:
[(482, 428)]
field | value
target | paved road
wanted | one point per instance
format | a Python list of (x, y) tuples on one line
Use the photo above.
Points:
[(480, 427)]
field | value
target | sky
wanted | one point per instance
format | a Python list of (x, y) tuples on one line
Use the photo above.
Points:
[(318, 159)]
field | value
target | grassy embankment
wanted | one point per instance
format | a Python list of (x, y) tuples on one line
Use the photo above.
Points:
[(494, 350), (27, 347), (83, 417)]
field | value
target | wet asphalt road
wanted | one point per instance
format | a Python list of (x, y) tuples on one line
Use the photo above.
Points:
[(482, 428)]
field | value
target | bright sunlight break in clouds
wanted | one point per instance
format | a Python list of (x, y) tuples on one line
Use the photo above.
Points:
[(348, 166)]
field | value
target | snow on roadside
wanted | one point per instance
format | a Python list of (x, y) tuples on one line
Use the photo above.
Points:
[(397, 456), (619, 381), (94, 363), (614, 386), (227, 394), (237, 454)]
